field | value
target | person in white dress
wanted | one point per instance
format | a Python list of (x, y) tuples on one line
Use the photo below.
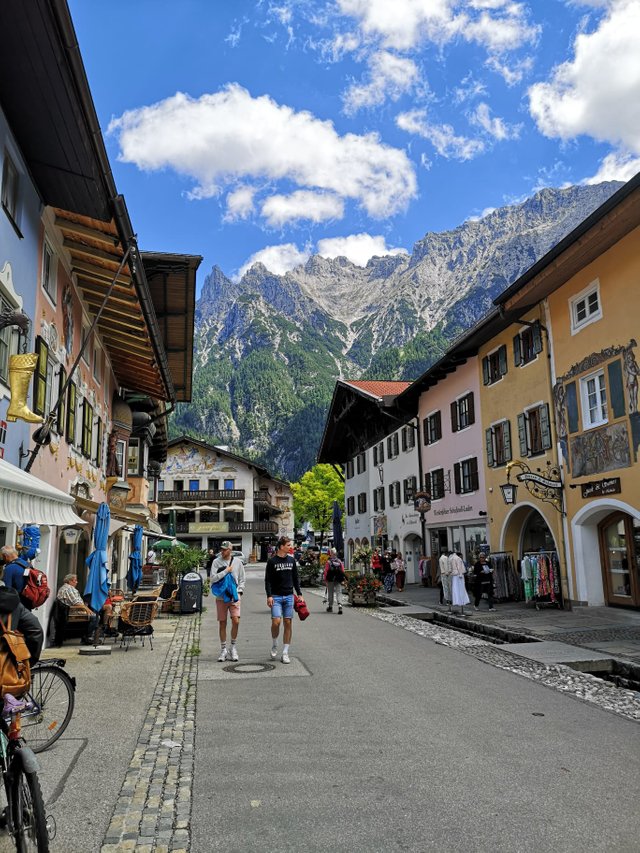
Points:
[(458, 570)]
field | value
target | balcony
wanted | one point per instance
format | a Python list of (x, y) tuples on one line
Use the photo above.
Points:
[(221, 527), (170, 497), (262, 496), (253, 527)]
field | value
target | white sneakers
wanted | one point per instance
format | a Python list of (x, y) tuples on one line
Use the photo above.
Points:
[(285, 658), (234, 653), (223, 656), (274, 652)]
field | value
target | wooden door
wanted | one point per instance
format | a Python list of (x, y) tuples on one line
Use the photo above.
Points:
[(620, 551)]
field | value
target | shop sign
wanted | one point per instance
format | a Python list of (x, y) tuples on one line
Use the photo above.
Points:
[(71, 535), (453, 510), (530, 477), (209, 527), (596, 488)]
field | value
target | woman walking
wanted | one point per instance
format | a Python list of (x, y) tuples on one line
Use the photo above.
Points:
[(387, 573), (399, 571), (458, 570)]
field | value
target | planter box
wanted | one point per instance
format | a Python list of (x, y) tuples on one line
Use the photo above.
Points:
[(367, 599)]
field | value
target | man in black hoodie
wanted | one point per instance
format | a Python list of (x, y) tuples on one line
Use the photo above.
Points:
[(21, 619)]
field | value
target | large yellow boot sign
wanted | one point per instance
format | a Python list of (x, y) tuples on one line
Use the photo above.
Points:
[(21, 369)]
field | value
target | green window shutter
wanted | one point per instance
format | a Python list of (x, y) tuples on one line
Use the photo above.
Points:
[(545, 427), (517, 350), (506, 437), (502, 359), (454, 417), (571, 402), (71, 412), (40, 378), (537, 338), (486, 377), (457, 478), (488, 437), (522, 435), (62, 408), (616, 388)]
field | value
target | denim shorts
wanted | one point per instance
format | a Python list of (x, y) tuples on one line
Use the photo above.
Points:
[(282, 607)]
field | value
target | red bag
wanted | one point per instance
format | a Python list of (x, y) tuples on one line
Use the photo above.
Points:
[(300, 606), (36, 590)]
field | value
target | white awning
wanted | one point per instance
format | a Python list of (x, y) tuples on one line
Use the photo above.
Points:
[(26, 500)]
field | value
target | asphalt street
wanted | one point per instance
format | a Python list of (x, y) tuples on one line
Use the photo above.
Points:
[(374, 738)]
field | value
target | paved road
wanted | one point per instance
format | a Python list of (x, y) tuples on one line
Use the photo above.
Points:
[(377, 739)]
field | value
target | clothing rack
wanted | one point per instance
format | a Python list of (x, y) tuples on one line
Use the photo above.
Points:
[(506, 583), (540, 572)]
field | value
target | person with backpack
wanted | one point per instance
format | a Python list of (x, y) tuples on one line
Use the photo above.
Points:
[(14, 616), (30, 583), (334, 578)]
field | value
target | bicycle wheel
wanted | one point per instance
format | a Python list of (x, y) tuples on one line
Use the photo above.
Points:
[(30, 820), (53, 691)]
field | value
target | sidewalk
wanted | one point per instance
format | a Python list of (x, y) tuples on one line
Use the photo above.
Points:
[(611, 630)]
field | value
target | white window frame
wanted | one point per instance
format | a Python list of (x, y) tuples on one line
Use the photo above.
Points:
[(583, 296), (49, 282), (601, 390), (11, 201)]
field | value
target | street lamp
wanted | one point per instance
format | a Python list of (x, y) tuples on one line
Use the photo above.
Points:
[(509, 492)]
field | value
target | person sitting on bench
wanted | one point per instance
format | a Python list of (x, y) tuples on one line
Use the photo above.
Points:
[(69, 596)]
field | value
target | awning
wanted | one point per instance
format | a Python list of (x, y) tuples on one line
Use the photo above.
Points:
[(25, 499)]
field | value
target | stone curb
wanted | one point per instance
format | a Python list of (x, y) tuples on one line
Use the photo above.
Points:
[(153, 811)]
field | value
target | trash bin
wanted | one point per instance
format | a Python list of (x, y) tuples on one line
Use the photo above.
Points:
[(191, 593)]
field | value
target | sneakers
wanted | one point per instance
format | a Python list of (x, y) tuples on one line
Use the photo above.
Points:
[(491, 609), (274, 652), (234, 653), (476, 608), (223, 656), (329, 609), (339, 611), (285, 658)]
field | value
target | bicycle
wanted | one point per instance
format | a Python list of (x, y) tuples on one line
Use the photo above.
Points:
[(52, 700), (24, 817)]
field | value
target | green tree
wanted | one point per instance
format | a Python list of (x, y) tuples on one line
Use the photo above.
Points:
[(313, 497)]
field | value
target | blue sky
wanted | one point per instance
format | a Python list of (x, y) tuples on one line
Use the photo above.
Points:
[(268, 130)]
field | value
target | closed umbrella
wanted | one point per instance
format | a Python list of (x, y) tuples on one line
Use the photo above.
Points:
[(98, 580), (134, 575), (338, 540)]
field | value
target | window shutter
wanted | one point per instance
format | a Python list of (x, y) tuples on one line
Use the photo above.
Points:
[(456, 477), (485, 370), (537, 338), (375, 455), (381, 452), (375, 500), (395, 446), (454, 417), (71, 412), (502, 359), (473, 464), (571, 401), (404, 438), (517, 350), (62, 408), (506, 437), (425, 431), (545, 427), (382, 497), (471, 408), (522, 435), (98, 456), (390, 494), (397, 494), (488, 437), (616, 388), (438, 426), (40, 378), (389, 447)]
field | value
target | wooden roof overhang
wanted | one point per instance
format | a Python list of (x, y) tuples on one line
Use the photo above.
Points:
[(356, 421), (127, 326)]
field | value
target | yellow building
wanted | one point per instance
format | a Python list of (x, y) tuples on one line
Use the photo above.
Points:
[(589, 290)]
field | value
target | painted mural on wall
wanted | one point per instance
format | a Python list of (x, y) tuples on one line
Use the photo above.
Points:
[(194, 460), (600, 450)]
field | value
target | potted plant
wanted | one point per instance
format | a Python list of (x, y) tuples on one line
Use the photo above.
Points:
[(361, 589), (177, 562), (362, 557)]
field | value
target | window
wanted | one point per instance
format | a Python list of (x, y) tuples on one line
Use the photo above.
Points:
[(462, 412), (214, 485), (498, 443), (71, 412), (394, 493), (534, 430), (393, 448), (97, 363), (409, 488), (594, 400), (178, 485), (62, 408), (161, 485), (432, 428), (86, 350), (10, 186), (378, 454), (437, 484), (361, 463), (40, 378), (378, 499), (527, 344), (87, 428), (49, 278), (408, 438), (194, 485), (349, 473), (351, 506), (98, 449), (362, 502), (121, 449), (494, 365), (229, 485), (466, 476), (585, 307)]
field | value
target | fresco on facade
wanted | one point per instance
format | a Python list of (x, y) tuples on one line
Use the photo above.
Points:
[(195, 460), (600, 450)]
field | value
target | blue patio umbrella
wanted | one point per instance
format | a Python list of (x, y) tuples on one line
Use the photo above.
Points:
[(98, 579), (134, 575), (338, 539)]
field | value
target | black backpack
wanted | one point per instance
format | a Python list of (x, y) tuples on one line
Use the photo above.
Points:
[(335, 571)]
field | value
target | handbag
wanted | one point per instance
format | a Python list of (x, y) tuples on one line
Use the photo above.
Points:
[(300, 606)]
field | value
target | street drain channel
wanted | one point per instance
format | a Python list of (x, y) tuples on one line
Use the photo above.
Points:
[(491, 633), (624, 675)]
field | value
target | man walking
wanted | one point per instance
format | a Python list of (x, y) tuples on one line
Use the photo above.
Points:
[(280, 580), (445, 577), (334, 577), (223, 565)]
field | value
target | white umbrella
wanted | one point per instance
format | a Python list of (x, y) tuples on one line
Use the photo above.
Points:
[(234, 507), (205, 508), (174, 508)]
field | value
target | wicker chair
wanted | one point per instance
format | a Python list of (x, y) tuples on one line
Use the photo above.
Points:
[(136, 618)]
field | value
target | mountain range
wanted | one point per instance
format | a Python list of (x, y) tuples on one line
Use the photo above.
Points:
[(269, 348)]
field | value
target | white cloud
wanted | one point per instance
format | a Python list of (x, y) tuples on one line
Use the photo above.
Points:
[(390, 76), (596, 93), (277, 259), (513, 72), (359, 248), (497, 128), (441, 136), (616, 167), (227, 136), (468, 89), (240, 203), (302, 205)]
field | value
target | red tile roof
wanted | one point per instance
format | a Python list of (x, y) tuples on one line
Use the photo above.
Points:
[(378, 388)]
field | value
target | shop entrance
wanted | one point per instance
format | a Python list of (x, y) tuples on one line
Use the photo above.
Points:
[(619, 536)]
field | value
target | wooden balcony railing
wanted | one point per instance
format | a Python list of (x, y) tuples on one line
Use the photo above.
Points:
[(169, 497), (262, 496), (253, 527)]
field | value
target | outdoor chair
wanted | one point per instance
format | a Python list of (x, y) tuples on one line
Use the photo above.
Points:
[(136, 618), (148, 594)]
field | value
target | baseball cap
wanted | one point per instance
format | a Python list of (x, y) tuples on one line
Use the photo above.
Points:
[(226, 544)]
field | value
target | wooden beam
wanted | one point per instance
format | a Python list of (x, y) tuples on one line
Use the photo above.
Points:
[(93, 252), (94, 299), (97, 272), (85, 231)]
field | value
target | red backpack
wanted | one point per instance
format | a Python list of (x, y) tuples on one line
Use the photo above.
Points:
[(36, 589)]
